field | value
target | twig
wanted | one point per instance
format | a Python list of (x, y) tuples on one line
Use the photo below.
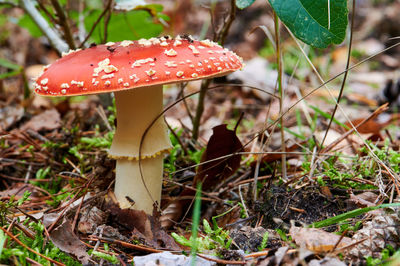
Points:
[(126, 244), (241, 199), (69, 203), (378, 111), (28, 248), (182, 94), (200, 108), (220, 36), (185, 151), (258, 254), (345, 74), (63, 22), (103, 116), (4, 2), (36, 135), (23, 229), (95, 23), (55, 40), (31, 261), (106, 22), (219, 261), (78, 211), (47, 12), (281, 93)]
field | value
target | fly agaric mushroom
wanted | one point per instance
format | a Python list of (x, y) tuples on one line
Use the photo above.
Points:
[(136, 72)]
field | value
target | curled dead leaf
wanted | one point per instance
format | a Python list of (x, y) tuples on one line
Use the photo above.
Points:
[(65, 239), (317, 240)]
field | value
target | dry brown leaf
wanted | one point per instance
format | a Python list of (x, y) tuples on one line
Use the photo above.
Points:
[(63, 238), (326, 192), (91, 218), (373, 126), (365, 199), (48, 120), (143, 227), (223, 142), (10, 115), (317, 240), (273, 157)]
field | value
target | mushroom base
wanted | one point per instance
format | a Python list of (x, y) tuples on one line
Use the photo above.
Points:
[(130, 184)]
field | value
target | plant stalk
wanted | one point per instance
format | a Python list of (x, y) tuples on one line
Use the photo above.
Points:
[(218, 37), (55, 40), (200, 108), (281, 94)]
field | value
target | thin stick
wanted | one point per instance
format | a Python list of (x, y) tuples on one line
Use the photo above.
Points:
[(182, 94), (28, 248), (125, 244), (345, 74), (185, 151), (378, 111), (281, 94), (48, 14), (219, 261), (258, 254), (95, 23), (106, 22), (228, 22), (55, 40), (220, 36)]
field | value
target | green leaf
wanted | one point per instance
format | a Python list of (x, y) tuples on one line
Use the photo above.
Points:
[(26, 22), (131, 25), (8, 64), (181, 239), (244, 3), (312, 21), (107, 257), (351, 214), (328, 116), (17, 69), (207, 227), (3, 239)]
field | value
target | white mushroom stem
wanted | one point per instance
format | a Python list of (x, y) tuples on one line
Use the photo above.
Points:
[(129, 184), (136, 110)]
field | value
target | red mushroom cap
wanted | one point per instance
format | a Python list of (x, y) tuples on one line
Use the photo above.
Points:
[(130, 64)]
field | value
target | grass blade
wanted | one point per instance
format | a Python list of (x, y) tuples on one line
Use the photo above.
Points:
[(350, 214)]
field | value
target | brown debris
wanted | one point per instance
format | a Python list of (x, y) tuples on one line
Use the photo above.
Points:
[(63, 238)]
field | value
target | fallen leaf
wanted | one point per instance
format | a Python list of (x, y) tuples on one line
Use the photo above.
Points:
[(18, 189), (317, 240), (48, 120), (63, 238), (9, 115), (143, 227), (365, 199), (91, 218), (372, 126), (326, 192), (223, 142), (273, 157)]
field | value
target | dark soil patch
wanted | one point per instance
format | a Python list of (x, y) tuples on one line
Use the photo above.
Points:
[(306, 205)]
